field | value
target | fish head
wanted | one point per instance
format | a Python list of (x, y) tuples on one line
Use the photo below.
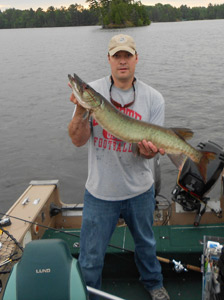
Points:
[(77, 86), (85, 95)]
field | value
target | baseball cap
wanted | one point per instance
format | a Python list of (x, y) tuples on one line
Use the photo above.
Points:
[(122, 42)]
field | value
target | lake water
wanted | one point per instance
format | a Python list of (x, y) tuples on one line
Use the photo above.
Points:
[(183, 60)]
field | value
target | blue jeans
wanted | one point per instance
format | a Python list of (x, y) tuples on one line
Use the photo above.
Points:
[(98, 224)]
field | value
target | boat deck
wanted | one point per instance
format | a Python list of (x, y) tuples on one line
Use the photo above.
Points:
[(32, 218), (120, 275)]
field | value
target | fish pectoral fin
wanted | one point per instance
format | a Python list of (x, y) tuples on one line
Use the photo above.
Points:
[(135, 149), (86, 114), (177, 159), (183, 133)]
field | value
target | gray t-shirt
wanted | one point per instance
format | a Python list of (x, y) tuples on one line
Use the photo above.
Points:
[(114, 173)]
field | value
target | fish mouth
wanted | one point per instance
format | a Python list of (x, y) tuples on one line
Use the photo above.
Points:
[(79, 87), (78, 84), (78, 81)]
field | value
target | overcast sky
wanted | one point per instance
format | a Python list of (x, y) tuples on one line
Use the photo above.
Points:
[(26, 4)]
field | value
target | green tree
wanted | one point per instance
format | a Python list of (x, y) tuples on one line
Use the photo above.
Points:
[(40, 18), (51, 17), (184, 12), (211, 12), (61, 17), (120, 13), (74, 14), (10, 17), (195, 13), (220, 12), (2, 20)]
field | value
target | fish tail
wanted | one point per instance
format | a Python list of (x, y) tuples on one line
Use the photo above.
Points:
[(203, 163)]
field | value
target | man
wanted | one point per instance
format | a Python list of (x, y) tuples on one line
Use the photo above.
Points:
[(118, 182)]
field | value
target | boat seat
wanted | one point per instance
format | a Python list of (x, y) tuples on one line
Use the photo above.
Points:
[(48, 271)]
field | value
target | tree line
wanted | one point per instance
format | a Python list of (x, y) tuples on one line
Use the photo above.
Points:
[(167, 13), (108, 13), (75, 15)]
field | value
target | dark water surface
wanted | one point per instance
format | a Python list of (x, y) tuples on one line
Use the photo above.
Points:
[(183, 60)]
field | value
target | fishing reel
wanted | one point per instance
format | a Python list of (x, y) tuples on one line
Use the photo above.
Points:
[(191, 189)]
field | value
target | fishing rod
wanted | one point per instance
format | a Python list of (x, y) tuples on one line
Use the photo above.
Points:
[(178, 266), (33, 223)]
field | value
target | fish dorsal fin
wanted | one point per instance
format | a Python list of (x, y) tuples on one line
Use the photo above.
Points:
[(183, 133)]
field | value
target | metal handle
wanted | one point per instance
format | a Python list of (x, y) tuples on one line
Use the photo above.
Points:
[(102, 294)]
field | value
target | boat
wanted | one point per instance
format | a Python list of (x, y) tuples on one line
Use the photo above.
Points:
[(39, 241)]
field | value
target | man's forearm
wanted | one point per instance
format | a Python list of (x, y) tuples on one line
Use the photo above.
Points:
[(79, 128)]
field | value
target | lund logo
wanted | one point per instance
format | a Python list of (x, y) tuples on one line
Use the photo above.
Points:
[(41, 271)]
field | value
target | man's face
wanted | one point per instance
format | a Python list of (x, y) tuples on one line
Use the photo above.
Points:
[(123, 65)]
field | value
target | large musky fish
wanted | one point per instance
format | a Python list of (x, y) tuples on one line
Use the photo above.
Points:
[(172, 140)]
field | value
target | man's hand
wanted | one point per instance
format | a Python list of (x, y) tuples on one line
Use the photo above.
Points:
[(73, 99), (148, 149)]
